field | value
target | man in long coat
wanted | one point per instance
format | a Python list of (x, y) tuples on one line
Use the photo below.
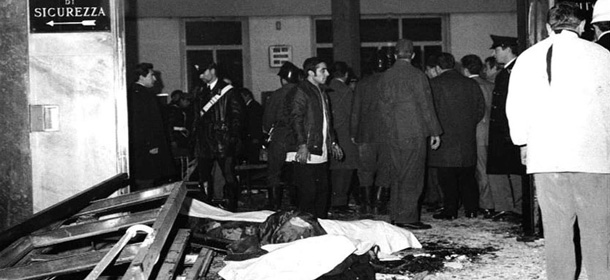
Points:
[(218, 132), (460, 106), (409, 119), (503, 159), (341, 171), (472, 68), (150, 155)]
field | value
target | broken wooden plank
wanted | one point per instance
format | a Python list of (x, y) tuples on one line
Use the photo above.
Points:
[(69, 233), (16, 251), (174, 255), (142, 266), (74, 263), (63, 209), (202, 264), (119, 202)]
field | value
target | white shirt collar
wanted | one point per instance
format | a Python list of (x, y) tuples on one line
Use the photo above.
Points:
[(510, 62), (213, 84)]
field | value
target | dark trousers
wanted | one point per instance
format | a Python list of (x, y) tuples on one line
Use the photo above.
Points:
[(227, 167), (408, 159), (459, 184), (341, 181), (312, 188), (276, 159)]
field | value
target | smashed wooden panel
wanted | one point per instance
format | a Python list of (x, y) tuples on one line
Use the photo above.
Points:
[(82, 234)]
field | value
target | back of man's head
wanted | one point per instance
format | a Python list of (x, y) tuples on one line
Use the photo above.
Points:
[(142, 69), (246, 94), (565, 16), (340, 69), (473, 63), (492, 62), (310, 64), (446, 61), (432, 61), (404, 49)]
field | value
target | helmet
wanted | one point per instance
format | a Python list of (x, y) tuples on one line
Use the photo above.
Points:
[(601, 11), (289, 72)]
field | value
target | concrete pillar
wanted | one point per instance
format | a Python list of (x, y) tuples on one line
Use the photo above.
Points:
[(15, 163), (346, 32)]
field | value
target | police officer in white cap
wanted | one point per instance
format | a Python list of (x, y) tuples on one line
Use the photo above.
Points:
[(601, 22)]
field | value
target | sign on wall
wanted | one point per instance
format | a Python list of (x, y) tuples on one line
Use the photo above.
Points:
[(52, 16), (279, 54)]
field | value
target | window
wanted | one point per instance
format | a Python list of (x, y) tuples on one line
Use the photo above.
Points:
[(219, 41), (378, 36)]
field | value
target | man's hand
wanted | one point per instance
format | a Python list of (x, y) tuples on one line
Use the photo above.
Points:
[(303, 154), (153, 151), (336, 151), (523, 155), (435, 142)]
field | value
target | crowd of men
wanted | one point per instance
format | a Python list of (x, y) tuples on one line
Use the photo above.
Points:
[(470, 134)]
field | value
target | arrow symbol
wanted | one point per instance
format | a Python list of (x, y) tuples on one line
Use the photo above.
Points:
[(83, 23)]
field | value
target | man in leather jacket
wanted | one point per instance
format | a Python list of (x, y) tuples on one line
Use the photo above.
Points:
[(218, 127), (312, 138)]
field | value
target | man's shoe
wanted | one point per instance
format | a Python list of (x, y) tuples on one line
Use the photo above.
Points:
[(444, 216), (488, 213), (471, 214), (414, 225), (507, 216)]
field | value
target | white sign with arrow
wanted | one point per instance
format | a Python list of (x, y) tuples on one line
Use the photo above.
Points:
[(83, 23)]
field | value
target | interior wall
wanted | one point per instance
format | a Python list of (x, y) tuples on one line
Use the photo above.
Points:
[(295, 31), (159, 44), (198, 8), (469, 33)]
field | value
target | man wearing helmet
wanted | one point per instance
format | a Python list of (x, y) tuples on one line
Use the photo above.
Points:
[(601, 22), (275, 124)]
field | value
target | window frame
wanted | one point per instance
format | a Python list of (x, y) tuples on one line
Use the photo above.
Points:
[(444, 43), (244, 48)]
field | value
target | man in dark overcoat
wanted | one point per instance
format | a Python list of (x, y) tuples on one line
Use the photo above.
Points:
[(150, 155), (460, 106), (218, 132), (341, 171), (409, 120), (503, 159)]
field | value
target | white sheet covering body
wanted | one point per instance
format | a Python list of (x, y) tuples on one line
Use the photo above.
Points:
[(308, 258)]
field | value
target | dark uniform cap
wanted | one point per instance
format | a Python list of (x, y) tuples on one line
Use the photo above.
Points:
[(503, 41)]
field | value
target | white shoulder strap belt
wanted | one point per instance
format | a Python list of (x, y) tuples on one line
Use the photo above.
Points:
[(215, 99)]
